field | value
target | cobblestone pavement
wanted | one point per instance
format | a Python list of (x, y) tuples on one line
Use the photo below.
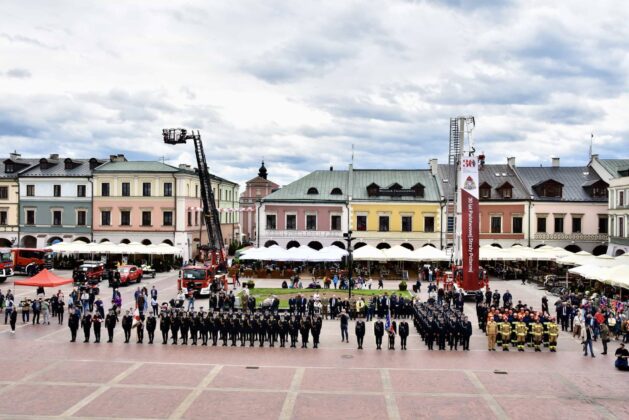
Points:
[(42, 375)]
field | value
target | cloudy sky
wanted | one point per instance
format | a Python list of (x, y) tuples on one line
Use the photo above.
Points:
[(298, 83)]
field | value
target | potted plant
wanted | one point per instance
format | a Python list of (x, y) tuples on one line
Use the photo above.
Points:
[(402, 286)]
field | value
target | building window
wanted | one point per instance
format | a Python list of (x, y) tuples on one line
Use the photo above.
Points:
[(621, 198), (271, 220), (9, 168), (496, 224), (30, 191), (576, 224), (104, 189), (311, 222), (196, 218), (361, 223), (196, 191), (450, 224), (383, 223), (336, 222), (516, 226), (407, 223), (541, 224), (506, 192), (168, 218), (603, 224), (30, 217), (56, 190), (336, 191), (558, 224), (312, 191), (126, 189), (81, 218), (291, 222), (125, 218), (105, 218), (429, 224), (56, 217), (4, 193), (168, 189), (146, 218), (81, 190), (485, 191), (621, 227), (189, 218), (146, 189), (3, 218)]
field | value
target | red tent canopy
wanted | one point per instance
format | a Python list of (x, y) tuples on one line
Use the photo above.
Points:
[(44, 279)]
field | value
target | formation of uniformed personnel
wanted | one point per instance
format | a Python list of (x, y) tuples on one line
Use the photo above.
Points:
[(521, 327), (442, 324)]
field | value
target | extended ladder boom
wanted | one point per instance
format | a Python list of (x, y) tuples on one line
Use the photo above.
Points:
[(210, 212)]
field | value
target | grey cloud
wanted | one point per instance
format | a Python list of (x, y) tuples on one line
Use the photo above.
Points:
[(18, 73)]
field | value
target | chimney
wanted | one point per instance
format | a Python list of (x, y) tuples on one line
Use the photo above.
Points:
[(15, 155), (54, 156), (434, 165), (555, 162), (185, 166), (117, 158), (511, 161)]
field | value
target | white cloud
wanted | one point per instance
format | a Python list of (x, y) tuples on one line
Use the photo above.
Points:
[(297, 83)]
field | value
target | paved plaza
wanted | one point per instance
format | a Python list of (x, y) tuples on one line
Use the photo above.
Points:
[(43, 375)]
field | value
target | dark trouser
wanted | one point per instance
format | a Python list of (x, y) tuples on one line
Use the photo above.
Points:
[(293, 340), (204, 337), (151, 335), (164, 336), (127, 335), (184, 337), (466, 342), (604, 341), (304, 339), (36, 317), (110, 334), (359, 339), (7, 314), (214, 337), (429, 341), (403, 342), (97, 333), (73, 333), (86, 333), (60, 316), (174, 333), (25, 316), (344, 334), (378, 341), (391, 342), (140, 334)]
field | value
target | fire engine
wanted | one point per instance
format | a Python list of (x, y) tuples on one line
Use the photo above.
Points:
[(200, 279), (6, 264), (30, 260)]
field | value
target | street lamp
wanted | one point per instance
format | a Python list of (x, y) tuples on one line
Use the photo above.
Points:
[(349, 239)]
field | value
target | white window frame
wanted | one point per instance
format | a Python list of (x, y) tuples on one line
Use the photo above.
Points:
[(266, 227), (122, 209), (76, 216), (502, 226), (100, 220), (52, 216), (341, 227), (26, 210), (310, 213), (366, 215), (513, 216), (292, 213), (402, 216)]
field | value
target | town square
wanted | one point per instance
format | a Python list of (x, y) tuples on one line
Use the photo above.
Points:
[(314, 210)]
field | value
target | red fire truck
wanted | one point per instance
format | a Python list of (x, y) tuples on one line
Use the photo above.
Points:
[(6, 264), (201, 280), (31, 260)]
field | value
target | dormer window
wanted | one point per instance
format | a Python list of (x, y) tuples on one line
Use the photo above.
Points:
[(43, 163), (549, 188), (373, 189), (598, 189), (506, 190), (485, 190), (336, 191), (418, 189), (69, 164), (9, 167), (94, 163), (312, 191), (395, 186)]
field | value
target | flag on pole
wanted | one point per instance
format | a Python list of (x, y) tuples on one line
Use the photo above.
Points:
[(387, 325)]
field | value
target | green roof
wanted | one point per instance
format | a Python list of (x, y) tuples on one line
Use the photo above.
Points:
[(136, 166), (323, 181), (384, 178), (614, 165)]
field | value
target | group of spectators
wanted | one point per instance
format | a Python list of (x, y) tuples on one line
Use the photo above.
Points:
[(39, 310)]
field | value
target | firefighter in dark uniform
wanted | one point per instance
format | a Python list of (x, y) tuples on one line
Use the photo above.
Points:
[(97, 321), (236, 327), (283, 331), (151, 323), (194, 328), (317, 324), (378, 331), (293, 328), (164, 326), (139, 329), (304, 329), (225, 328), (273, 327), (86, 323), (264, 327), (404, 331), (175, 323), (110, 323), (73, 322), (244, 330), (360, 333), (430, 333), (255, 330), (392, 332), (127, 322), (185, 328), (215, 327), (203, 327)]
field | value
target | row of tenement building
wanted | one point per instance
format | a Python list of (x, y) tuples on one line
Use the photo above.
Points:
[(576, 208), (52, 199)]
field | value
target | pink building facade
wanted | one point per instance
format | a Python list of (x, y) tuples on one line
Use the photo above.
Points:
[(255, 190)]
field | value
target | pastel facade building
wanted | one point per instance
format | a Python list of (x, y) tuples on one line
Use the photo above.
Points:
[(255, 190), (56, 201), (9, 197)]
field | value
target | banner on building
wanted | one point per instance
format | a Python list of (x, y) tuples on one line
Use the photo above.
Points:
[(468, 183)]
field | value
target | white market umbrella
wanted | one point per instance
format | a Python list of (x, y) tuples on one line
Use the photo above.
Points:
[(368, 253), (399, 253), (429, 253)]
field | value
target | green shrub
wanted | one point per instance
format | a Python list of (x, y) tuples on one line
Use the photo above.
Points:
[(402, 286)]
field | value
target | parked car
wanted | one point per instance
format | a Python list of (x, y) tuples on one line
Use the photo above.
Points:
[(126, 275), (148, 271), (89, 271)]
